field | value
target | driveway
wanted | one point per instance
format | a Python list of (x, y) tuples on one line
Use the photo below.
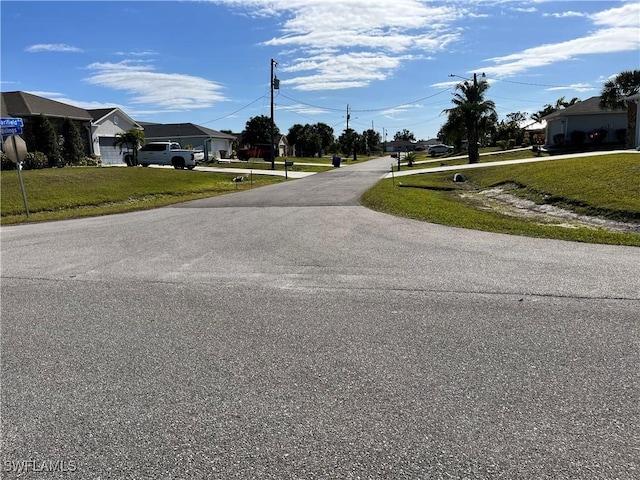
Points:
[(287, 332)]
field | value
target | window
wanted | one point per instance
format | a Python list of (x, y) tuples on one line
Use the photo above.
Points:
[(154, 147)]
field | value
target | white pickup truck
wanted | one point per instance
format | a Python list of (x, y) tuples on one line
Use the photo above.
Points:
[(169, 153)]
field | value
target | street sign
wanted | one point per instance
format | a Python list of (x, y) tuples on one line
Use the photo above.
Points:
[(11, 122), (16, 149), (11, 131)]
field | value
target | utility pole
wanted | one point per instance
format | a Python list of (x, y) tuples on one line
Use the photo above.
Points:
[(275, 84)]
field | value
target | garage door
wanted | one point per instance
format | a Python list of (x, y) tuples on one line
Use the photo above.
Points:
[(109, 153)]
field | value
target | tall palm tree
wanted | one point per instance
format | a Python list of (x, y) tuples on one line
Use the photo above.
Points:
[(472, 107), (623, 85)]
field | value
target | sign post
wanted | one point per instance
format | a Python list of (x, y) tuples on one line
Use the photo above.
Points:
[(16, 149)]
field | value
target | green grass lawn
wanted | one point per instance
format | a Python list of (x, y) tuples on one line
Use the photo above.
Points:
[(54, 194), (606, 186)]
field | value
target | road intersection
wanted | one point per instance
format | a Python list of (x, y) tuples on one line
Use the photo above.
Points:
[(288, 332)]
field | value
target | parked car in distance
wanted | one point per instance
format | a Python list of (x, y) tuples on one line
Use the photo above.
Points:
[(434, 150), (169, 153)]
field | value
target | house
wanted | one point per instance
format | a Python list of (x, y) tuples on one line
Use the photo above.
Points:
[(216, 145), (635, 100), (399, 146), (98, 127), (106, 124), (585, 123), (27, 106)]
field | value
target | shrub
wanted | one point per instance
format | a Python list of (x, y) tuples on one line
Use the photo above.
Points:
[(35, 161), (501, 144), (6, 163), (577, 137), (512, 143), (558, 139), (411, 157)]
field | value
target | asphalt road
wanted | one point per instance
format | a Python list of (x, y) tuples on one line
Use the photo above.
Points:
[(287, 332)]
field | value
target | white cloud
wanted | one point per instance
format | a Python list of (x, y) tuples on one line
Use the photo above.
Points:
[(137, 53), (52, 47), (368, 39), (565, 14), (170, 91), (302, 109), (578, 87), (619, 32)]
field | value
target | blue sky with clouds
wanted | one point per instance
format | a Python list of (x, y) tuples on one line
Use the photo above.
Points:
[(208, 62)]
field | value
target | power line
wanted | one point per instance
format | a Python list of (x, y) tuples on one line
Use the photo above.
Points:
[(530, 84), (233, 113)]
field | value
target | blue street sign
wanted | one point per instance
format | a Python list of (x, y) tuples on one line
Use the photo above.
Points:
[(11, 122), (11, 130)]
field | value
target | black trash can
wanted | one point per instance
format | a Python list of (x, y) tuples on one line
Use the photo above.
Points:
[(336, 161)]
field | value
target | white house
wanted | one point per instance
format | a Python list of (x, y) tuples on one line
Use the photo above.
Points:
[(588, 120), (636, 99), (107, 123)]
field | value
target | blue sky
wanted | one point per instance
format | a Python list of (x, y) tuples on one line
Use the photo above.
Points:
[(208, 62)]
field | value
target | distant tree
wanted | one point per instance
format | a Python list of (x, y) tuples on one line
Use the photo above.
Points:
[(404, 135), (548, 109), (624, 84), (350, 142), (471, 105), (454, 130), (372, 141), (325, 132), (132, 140), (510, 132), (295, 139), (258, 130), (45, 140), (72, 144)]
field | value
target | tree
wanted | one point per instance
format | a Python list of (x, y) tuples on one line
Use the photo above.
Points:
[(349, 142), (371, 140), (45, 140), (72, 146), (614, 91), (404, 135), (549, 109), (454, 130), (257, 130), (471, 105), (132, 140), (325, 132), (310, 140), (509, 132)]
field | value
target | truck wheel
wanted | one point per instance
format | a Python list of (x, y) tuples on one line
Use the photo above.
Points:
[(144, 164), (178, 163), (191, 167)]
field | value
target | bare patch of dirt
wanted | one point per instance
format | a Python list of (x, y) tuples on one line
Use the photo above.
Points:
[(500, 200)]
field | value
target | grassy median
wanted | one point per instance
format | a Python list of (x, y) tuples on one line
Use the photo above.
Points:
[(61, 193), (605, 186)]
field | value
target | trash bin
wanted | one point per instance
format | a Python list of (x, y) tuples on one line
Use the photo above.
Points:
[(336, 161)]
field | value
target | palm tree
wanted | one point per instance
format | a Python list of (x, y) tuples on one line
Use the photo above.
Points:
[(471, 105), (131, 139), (623, 85)]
